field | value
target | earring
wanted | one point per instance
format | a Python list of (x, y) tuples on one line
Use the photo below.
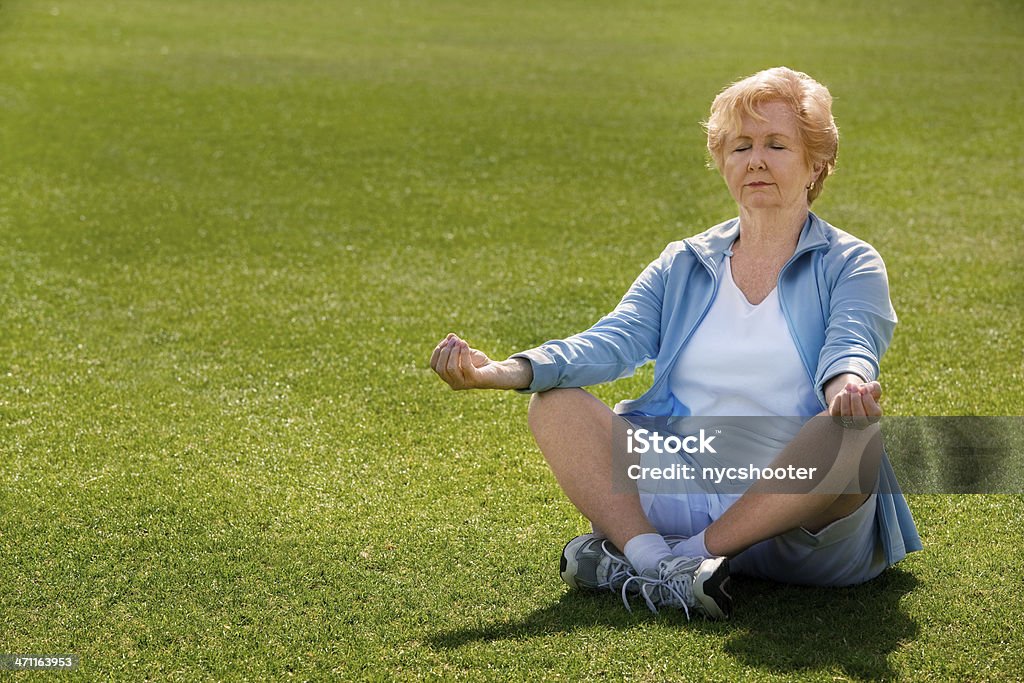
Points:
[(809, 185)]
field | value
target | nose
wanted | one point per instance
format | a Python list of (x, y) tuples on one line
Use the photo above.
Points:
[(756, 161)]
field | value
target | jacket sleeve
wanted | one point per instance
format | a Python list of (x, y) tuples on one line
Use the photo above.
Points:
[(860, 317), (614, 347)]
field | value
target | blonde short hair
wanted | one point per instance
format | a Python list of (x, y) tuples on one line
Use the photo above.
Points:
[(806, 97)]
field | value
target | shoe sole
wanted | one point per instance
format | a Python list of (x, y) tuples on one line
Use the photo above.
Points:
[(709, 585)]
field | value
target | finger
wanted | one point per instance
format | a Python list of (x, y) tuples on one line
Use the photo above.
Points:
[(835, 407), (856, 402), (441, 364), (466, 364), (844, 404), (466, 368), (478, 358), (857, 410), (843, 414), (436, 354), (874, 389), (451, 346), (454, 370), (871, 407)]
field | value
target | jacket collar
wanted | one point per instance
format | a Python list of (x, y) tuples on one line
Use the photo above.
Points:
[(715, 242)]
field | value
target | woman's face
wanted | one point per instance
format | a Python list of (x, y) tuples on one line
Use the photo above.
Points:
[(764, 164)]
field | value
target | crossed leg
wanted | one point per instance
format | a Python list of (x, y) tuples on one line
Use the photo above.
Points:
[(574, 431)]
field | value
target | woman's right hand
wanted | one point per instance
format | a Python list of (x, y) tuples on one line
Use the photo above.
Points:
[(854, 402), (463, 367)]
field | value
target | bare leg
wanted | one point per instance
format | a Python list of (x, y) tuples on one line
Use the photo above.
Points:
[(851, 457), (574, 431)]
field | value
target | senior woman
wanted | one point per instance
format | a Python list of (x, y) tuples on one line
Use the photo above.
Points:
[(772, 314)]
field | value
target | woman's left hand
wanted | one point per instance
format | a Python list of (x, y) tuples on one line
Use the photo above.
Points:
[(856, 405)]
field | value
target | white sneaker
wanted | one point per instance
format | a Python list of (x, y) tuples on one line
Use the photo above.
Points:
[(591, 562), (685, 583)]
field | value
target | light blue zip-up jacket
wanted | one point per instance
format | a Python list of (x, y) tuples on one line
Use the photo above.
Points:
[(835, 299)]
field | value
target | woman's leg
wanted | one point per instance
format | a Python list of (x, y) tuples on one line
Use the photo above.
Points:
[(850, 457), (574, 432)]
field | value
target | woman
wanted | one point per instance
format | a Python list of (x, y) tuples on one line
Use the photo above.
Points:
[(774, 313)]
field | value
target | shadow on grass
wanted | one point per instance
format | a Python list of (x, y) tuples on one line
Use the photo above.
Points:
[(788, 628), (776, 628)]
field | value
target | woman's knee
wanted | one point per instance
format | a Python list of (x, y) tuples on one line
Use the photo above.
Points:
[(560, 409), (551, 404)]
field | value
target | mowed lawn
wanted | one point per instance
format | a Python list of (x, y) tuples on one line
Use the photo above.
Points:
[(231, 233)]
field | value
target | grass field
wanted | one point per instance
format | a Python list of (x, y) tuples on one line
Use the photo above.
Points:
[(231, 233)]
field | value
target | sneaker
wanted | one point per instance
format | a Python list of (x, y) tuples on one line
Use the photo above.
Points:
[(591, 562), (685, 583)]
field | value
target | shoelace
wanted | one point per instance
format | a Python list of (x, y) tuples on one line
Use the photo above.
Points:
[(675, 587), (622, 571)]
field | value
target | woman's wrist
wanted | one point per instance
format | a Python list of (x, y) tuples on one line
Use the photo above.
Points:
[(517, 373)]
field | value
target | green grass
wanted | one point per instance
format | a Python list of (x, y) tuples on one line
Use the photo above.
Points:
[(231, 233)]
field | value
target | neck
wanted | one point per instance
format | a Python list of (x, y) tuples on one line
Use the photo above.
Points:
[(772, 229)]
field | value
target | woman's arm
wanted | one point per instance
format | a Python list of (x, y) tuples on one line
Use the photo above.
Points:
[(860, 318), (615, 345)]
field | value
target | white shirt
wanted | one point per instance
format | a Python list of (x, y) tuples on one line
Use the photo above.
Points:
[(742, 362)]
